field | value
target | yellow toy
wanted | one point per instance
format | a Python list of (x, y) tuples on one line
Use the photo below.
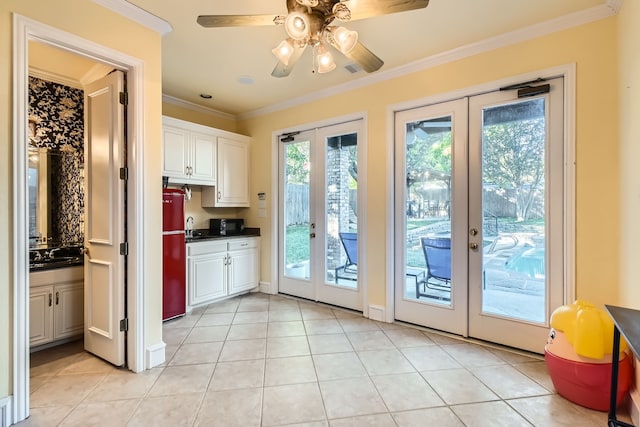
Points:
[(578, 356), (589, 330)]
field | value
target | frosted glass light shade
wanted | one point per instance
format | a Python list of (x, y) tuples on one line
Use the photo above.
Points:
[(284, 51), (297, 26), (324, 60), (346, 39)]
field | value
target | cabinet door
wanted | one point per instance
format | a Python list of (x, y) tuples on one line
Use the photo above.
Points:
[(40, 315), (243, 265), (68, 310), (207, 278), (175, 156), (233, 173), (203, 159)]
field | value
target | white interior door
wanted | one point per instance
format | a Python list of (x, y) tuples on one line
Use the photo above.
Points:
[(431, 203), (318, 245), (104, 273), (516, 274)]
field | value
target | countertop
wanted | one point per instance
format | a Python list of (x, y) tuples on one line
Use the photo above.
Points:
[(200, 235)]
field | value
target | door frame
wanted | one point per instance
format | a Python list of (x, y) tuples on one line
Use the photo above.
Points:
[(568, 72), (24, 30), (273, 287)]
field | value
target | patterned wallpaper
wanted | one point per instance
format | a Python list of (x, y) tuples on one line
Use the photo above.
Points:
[(56, 116)]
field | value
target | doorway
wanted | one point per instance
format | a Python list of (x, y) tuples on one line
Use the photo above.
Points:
[(480, 199), (26, 30), (319, 225)]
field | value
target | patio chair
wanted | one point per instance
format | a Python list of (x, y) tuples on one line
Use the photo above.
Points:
[(350, 267), (437, 255)]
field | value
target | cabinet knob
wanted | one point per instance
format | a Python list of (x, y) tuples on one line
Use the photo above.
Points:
[(57, 298), (50, 300)]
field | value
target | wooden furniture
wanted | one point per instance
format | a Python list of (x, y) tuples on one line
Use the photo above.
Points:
[(626, 322)]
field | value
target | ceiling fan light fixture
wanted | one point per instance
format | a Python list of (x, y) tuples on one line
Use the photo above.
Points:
[(345, 39), (324, 62), (284, 51), (308, 3), (297, 25), (341, 12)]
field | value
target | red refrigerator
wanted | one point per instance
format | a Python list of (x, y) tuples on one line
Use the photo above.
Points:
[(174, 289)]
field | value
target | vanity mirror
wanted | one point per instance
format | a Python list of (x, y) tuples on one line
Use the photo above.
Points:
[(56, 197)]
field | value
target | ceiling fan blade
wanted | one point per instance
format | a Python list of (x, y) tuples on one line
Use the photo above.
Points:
[(370, 8), (282, 70), (365, 58), (209, 21)]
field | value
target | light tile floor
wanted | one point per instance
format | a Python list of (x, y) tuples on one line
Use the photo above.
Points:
[(259, 360)]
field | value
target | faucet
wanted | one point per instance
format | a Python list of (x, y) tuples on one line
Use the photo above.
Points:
[(189, 226)]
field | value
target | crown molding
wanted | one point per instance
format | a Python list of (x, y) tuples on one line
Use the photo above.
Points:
[(195, 107), (615, 5), (96, 72), (608, 9), (54, 77), (137, 14)]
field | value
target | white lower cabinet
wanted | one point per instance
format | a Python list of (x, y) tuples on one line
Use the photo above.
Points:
[(242, 265), (56, 309), (220, 268), (206, 271), (41, 315)]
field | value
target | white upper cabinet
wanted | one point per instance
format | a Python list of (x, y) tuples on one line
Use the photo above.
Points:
[(216, 159), (233, 172), (203, 163)]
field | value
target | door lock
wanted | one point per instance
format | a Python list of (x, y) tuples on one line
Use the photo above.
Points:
[(312, 235), (473, 246), (473, 232)]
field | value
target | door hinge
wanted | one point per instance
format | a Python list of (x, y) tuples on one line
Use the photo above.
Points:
[(124, 325), (124, 98), (124, 174), (124, 248)]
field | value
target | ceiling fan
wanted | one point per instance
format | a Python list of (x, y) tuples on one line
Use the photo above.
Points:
[(310, 23)]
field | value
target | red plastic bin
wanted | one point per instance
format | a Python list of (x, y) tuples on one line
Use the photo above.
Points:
[(588, 384)]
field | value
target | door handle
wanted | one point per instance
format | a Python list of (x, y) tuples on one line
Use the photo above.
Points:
[(473, 246), (57, 298), (50, 300), (312, 235)]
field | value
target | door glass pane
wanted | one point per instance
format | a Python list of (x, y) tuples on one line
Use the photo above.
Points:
[(296, 210), (428, 210), (513, 207), (341, 204)]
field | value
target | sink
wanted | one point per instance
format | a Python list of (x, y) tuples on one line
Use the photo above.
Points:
[(55, 258)]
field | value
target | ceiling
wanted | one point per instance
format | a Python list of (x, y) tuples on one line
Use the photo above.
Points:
[(215, 61), (212, 60)]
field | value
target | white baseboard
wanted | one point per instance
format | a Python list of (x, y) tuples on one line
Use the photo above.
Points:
[(155, 355), (6, 415), (377, 312), (265, 287)]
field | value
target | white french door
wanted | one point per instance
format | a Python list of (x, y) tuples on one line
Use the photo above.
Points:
[(479, 208), (516, 203), (318, 242), (431, 202)]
